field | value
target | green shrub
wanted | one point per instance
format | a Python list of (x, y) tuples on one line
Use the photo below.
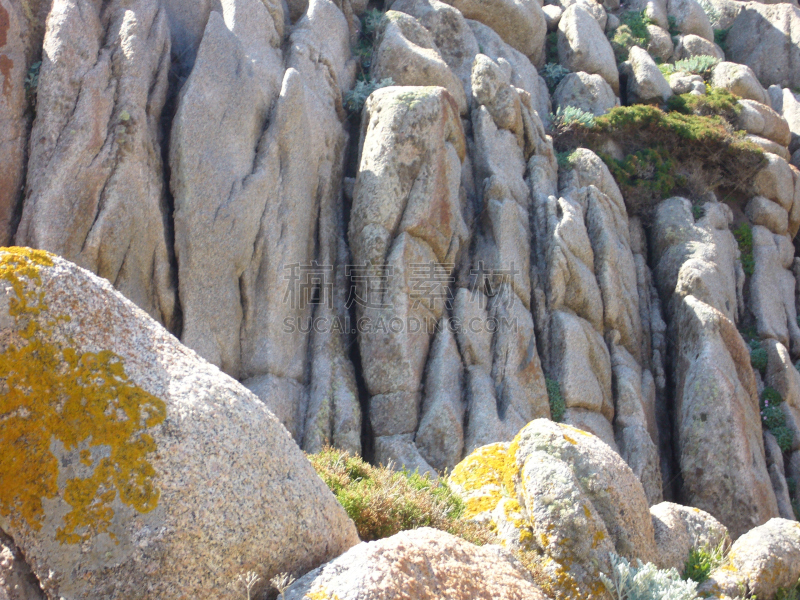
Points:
[(355, 99), (553, 73), (744, 237), (551, 47), (703, 560), (717, 101), (698, 212), (697, 65), (631, 32), (672, 27), (774, 420), (644, 176), (721, 38), (758, 359), (383, 502), (571, 116), (704, 152), (646, 582), (790, 594), (557, 405)]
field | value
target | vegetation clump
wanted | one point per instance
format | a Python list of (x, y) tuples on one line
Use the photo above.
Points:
[(774, 420), (716, 101), (557, 405), (667, 152), (702, 560), (566, 118), (355, 99), (383, 502), (744, 237), (631, 32), (646, 582), (553, 73), (702, 65)]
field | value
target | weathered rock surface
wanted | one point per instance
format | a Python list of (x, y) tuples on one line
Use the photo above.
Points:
[(646, 83), (587, 92), (422, 564), (690, 18), (739, 80), (678, 529), (135, 448), (760, 562), (563, 494), (95, 191), (693, 45), (582, 46), (760, 119), (520, 23), (717, 421), (765, 38)]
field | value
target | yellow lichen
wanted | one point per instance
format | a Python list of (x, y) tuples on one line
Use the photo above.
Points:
[(84, 400), (321, 594)]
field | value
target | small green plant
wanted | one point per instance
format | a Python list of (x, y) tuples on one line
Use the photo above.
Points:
[(698, 212), (796, 509), (553, 73), (672, 27), (371, 20), (248, 580), (744, 237), (551, 47), (758, 356), (716, 101), (773, 418), (721, 38), (644, 176), (32, 82), (703, 560), (383, 502), (790, 594), (702, 65), (281, 582), (557, 405), (631, 32), (570, 116), (646, 582), (355, 99)]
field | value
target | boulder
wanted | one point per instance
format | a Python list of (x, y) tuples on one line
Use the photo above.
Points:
[(769, 146), (588, 92), (95, 191), (646, 83), (766, 38), (407, 54), (113, 429), (785, 379), (397, 222), (678, 529), (759, 119), (739, 80), (760, 562), (690, 18), (660, 43), (452, 35), (685, 83), (772, 288), (552, 15), (693, 45), (717, 422), (562, 493), (582, 46), (421, 564), (764, 212), (775, 181), (521, 23)]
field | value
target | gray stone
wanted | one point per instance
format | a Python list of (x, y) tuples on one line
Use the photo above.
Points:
[(646, 83), (660, 43), (684, 83), (759, 119), (588, 92), (95, 180), (419, 564), (760, 562), (740, 80), (17, 582), (693, 45), (690, 18), (167, 449), (764, 212), (765, 38), (678, 529), (582, 46)]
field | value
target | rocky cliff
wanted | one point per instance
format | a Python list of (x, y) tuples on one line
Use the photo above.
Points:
[(408, 229)]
